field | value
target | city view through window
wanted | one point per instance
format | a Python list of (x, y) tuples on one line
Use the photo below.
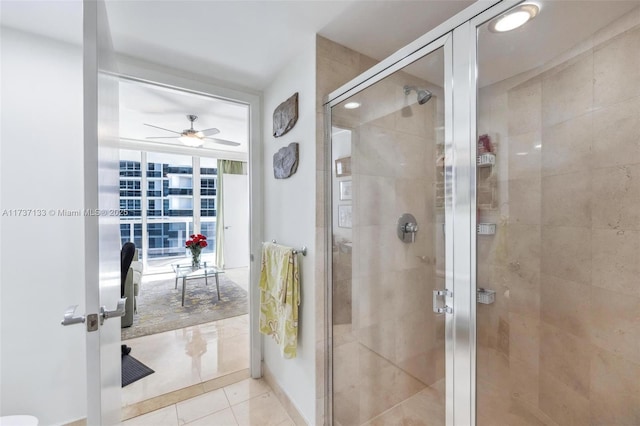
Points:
[(158, 193)]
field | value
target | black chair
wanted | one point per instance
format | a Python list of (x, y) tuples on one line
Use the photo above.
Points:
[(126, 257)]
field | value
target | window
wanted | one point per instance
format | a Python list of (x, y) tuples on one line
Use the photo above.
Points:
[(154, 207), (169, 190), (208, 186), (208, 207), (130, 208), (130, 168), (154, 187), (154, 170), (130, 188)]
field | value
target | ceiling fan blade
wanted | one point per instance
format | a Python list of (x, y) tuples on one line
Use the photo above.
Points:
[(210, 132), (223, 141), (163, 137), (162, 128)]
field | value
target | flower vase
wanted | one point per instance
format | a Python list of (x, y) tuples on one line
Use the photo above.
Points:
[(195, 260)]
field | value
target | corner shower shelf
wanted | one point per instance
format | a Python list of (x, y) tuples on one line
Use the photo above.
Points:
[(486, 229), (486, 160), (485, 296), (483, 228), (487, 179)]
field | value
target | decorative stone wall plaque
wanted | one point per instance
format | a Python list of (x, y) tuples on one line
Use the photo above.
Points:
[(285, 116), (285, 161)]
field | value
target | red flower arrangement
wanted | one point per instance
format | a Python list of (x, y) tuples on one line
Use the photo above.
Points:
[(196, 243)]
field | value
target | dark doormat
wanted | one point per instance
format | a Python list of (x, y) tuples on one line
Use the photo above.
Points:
[(133, 370)]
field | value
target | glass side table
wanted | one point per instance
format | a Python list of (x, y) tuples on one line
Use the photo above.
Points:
[(187, 271)]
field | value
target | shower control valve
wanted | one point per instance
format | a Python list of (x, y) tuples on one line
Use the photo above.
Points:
[(407, 228)]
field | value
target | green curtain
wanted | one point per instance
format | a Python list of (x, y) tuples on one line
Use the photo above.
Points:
[(231, 168)]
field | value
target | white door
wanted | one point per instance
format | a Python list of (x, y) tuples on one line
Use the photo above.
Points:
[(236, 221), (102, 245)]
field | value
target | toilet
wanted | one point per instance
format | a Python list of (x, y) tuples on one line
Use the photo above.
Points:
[(20, 420)]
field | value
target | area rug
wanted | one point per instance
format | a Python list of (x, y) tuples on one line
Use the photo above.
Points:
[(160, 309), (133, 370)]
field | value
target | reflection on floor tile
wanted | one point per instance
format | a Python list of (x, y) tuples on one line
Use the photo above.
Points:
[(189, 356), (253, 404)]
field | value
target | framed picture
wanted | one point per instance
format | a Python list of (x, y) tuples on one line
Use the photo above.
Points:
[(343, 167), (345, 190), (344, 216)]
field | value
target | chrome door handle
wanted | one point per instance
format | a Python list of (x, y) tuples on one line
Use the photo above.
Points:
[(119, 311), (69, 317), (441, 309)]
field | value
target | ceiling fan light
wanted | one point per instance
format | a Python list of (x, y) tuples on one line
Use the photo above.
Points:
[(193, 141)]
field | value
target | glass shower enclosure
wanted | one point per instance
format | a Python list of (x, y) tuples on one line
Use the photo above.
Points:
[(485, 236), (388, 246)]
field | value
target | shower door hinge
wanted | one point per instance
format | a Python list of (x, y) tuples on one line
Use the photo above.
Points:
[(442, 309)]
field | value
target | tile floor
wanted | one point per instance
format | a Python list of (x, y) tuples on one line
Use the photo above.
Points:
[(192, 355), (249, 402), (188, 356)]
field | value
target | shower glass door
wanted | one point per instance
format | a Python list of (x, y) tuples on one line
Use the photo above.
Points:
[(558, 197), (388, 247)]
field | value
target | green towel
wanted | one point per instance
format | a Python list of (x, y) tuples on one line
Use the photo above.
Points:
[(280, 297)]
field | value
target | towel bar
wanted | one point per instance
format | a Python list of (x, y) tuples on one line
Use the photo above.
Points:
[(302, 251)]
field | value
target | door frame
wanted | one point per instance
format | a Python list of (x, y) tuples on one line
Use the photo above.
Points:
[(101, 236), (137, 71), (458, 36)]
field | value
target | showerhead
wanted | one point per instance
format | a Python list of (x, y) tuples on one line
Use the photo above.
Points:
[(423, 94)]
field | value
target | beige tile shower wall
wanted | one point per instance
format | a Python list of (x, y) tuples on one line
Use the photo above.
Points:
[(335, 66), (568, 293)]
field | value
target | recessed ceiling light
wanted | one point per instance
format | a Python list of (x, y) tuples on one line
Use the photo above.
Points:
[(352, 105), (514, 18)]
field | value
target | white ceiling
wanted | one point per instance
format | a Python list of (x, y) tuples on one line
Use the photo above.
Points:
[(243, 42), (248, 42), (145, 103)]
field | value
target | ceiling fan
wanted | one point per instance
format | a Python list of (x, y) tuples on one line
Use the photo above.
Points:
[(191, 136)]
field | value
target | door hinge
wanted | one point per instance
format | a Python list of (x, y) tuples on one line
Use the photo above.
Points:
[(442, 309)]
